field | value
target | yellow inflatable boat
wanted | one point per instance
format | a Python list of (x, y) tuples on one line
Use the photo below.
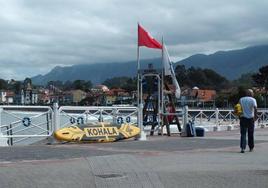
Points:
[(96, 132)]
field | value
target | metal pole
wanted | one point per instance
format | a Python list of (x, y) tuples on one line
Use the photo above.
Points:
[(101, 117), (142, 135), (159, 98), (55, 123), (216, 128), (1, 110), (185, 119), (162, 84), (56, 116), (114, 112), (3, 141), (217, 116)]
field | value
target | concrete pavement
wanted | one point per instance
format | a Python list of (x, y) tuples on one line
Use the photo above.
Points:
[(211, 161)]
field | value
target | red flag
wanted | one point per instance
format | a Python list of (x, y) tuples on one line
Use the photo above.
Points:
[(145, 39)]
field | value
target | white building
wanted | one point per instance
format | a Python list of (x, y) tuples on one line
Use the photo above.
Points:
[(6, 97)]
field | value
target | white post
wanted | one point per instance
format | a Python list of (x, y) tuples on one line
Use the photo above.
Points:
[(1, 110), (114, 113), (217, 116), (201, 117), (56, 117), (142, 136), (185, 119), (3, 141), (216, 127), (56, 123)]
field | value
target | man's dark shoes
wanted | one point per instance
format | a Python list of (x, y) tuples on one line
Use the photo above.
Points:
[(251, 150), (242, 151)]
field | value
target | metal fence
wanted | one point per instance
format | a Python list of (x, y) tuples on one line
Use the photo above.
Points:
[(215, 119), (81, 115), (26, 124), (29, 124)]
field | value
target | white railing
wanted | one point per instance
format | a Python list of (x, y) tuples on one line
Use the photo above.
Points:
[(29, 124), (77, 114), (26, 124), (20, 123), (262, 117), (221, 118)]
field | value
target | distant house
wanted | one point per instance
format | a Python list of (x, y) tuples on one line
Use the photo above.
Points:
[(100, 89), (103, 88), (10, 97), (28, 96), (117, 96), (197, 97), (68, 97), (43, 96), (110, 100), (78, 95), (7, 97), (203, 94)]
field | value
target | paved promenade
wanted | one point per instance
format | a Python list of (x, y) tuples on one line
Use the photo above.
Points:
[(208, 162)]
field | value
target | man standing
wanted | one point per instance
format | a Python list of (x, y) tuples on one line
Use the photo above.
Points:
[(247, 119)]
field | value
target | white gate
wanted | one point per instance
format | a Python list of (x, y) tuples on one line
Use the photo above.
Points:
[(81, 115), (25, 124)]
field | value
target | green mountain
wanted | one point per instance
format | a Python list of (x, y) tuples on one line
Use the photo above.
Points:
[(96, 73), (231, 64)]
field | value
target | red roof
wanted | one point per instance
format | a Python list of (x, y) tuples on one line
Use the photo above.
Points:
[(204, 94)]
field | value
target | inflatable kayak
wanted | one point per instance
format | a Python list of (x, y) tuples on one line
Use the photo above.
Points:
[(96, 132)]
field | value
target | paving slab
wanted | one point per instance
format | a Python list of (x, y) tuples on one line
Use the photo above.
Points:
[(211, 161)]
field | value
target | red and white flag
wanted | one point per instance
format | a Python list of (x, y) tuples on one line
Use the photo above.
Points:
[(145, 39)]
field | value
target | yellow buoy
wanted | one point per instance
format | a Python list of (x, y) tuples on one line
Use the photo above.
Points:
[(238, 110)]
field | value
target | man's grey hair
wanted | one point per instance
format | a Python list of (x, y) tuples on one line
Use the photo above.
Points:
[(250, 92)]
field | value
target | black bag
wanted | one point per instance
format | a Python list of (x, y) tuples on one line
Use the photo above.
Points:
[(200, 131)]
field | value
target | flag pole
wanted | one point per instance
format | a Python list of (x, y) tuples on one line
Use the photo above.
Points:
[(162, 84), (138, 78), (142, 135)]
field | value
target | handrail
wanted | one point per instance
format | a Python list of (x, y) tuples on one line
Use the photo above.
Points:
[(52, 119)]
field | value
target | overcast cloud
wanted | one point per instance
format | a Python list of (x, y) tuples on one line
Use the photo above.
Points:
[(37, 35)]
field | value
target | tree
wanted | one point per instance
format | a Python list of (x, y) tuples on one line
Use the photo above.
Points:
[(67, 85), (235, 96), (82, 85), (181, 74), (27, 83), (57, 84), (261, 78), (244, 80), (215, 80), (3, 84), (15, 86), (203, 78), (124, 82), (130, 85)]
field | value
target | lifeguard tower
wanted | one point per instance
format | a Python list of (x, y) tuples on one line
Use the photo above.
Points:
[(157, 107), (156, 101)]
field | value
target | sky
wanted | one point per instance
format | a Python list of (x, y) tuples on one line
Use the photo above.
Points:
[(37, 35)]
